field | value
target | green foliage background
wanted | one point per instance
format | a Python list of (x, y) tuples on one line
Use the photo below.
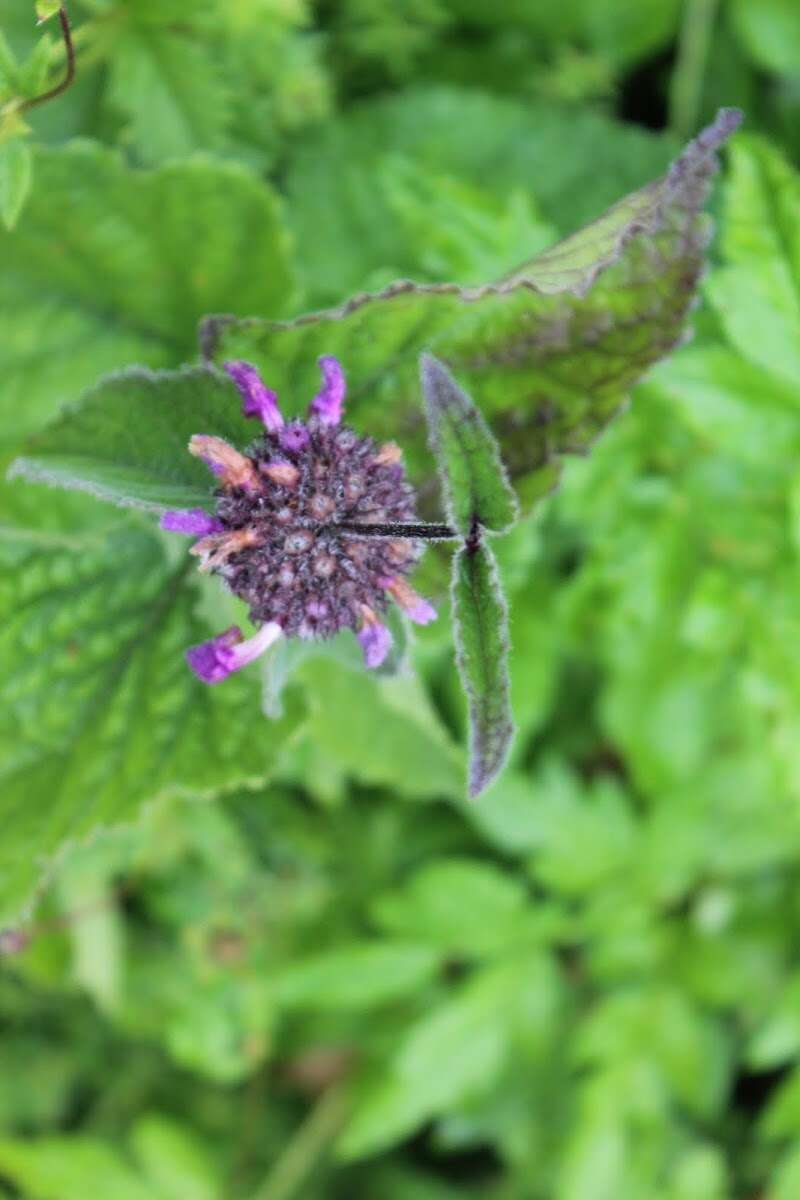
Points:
[(339, 979)]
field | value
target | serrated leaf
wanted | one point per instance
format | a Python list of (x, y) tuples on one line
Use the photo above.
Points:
[(109, 266), (473, 479), (170, 90), (480, 618), (99, 711), (127, 441), (549, 351), (16, 175)]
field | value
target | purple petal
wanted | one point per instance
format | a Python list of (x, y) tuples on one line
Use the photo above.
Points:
[(194, 521), (257, 399), (294, 437), (214, 660), (421, 612), (376, 641), (328, 403)]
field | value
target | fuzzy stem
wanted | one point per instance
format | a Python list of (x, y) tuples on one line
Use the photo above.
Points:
[(423, 530), (69, 47)]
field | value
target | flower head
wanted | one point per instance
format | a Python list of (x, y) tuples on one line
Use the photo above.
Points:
[(291, 532)]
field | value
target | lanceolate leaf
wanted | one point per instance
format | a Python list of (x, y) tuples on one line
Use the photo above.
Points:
[(108, 266), (99, 711), (127, 441), (481, 627), (473, 478), (549, 351)]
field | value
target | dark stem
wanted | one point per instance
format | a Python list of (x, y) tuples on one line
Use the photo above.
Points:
[(424, 530), (70, 75), (473, 540)]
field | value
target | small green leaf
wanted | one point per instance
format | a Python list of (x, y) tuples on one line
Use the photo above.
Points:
[(16, 175), (127, 441), (45, 9), (480, 619), (473, 479), (358, 976)]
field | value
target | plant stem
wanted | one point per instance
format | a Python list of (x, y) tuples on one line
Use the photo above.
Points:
[(424, 530), (686, 85), (69, 48), (304, 1150)]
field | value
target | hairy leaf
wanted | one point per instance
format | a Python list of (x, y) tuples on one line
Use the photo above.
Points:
[(100, 712), (127, 441), (549, 351), (109, 266), (480, 618), (473, 479)]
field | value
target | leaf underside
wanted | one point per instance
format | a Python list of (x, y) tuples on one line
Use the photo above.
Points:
[(480, 619), (549, 351)]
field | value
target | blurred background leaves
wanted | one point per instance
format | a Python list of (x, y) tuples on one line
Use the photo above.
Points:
[(348, 982)]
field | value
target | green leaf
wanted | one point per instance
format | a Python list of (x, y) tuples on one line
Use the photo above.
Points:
[(127, 441), (757, 292), (480, 617), (109, 266), (175, 1160), (473, 480), (358, 976), (170, 91), (438, 906), (100, 712), (45, 9), (57, 1167), (549, 350), (16, 176), (770, 32), (350, 212)]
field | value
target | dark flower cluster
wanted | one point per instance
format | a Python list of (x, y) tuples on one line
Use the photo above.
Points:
[(291, 534)]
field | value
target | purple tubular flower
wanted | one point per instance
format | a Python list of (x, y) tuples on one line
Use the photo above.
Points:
[(416, 607), (257, 399), (328, 403), (216, 659), (194, 521), (375, 639)]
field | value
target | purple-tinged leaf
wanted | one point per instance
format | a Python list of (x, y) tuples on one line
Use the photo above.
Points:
[(480, 617)]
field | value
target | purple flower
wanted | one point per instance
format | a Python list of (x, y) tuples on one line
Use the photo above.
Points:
[(328, 403), (194, 521), (375, 638), (216, 659), (257, 400), (286, 537)]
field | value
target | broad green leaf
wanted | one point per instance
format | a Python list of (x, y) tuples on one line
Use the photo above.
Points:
[(480, 617), (16, 174), (472, 476), (174, 1159), (109, 266), (127, 440), (359, 976), (100, 712), (549, 351)]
